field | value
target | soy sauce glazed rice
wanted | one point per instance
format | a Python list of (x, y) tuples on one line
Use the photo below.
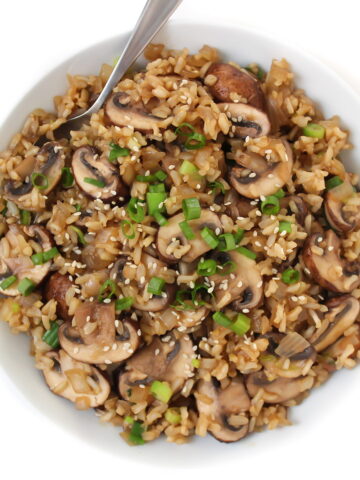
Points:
[(188, 261)]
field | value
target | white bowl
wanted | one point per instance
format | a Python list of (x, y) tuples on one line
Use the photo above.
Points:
[(314, 419)]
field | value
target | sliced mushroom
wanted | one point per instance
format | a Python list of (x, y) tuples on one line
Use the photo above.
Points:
[(76, 381), (256, 176), (278, 390), (247, 121), (243, 287), (223, 406), (119, 110), (341, 215), (162, 360), (95, 339), (236, 205), (233, 80), (56, 288), (321, 256), (296, 205), (88, 169), (22, 266), (343, 312), (49, 161), (342, 345), (172, 243), (96, 255), (287, 355)]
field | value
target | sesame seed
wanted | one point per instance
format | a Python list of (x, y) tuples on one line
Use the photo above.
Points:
[(76, 350), (108, 362), (171, 167), (106, 348), (252, 175), (245, 310)]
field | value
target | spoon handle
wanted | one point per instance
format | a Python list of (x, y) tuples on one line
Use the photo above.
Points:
[(152, 18)]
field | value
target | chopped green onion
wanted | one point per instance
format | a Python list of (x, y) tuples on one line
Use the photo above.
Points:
[(160, 175), (187, 230), (50, 254), (226, 242), (188, 168), (79, 234), (231, 267), (180, 298), (161, 391), (135, 211), (37, 258), (117, 151), (157, 176), (156, 285), (290, 276), (271, 205), (67, 178), (39, 180), (194, 140), (217, 186), (94, 181), (314, 130), (181, 129), (191, 208), (195, 362), (285, 227), (43, 257), (209, 236), (127, 229), (154, 200), (280, 193), (157, 188), (173, 416), (206, 268), (238, 235), (333, 182), (245, 251), (256, 70), (129, 420), (123, 303), (159, 218), (7, 282), (26, 286), (25, 217), (222, 319), (135, 435), (241, 324), (194, 292), (51, 336), (77, 207), (107, 290)]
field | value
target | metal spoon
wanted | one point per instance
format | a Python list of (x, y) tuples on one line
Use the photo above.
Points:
[(154, 15)]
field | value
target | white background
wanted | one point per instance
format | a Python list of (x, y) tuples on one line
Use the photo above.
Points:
[(35, 36)]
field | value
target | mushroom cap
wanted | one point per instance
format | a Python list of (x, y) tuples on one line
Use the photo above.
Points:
[(22, 266), (189, 249), (278, 390), (282, 347), (233, 80), (157, 302), (335, 202), (76, 381), (244, 288), (247, 120), (296, 205), (321, 257), (49, 161), (119, 110), (232, 400), (165, 361), (342, 312), (87, 164), (56, 288), (104, 344), (268, 178)]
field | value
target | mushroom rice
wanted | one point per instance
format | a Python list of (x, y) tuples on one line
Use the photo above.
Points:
[(188, 261)]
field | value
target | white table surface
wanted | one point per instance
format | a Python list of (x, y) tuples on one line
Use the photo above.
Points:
[(35, 36)]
